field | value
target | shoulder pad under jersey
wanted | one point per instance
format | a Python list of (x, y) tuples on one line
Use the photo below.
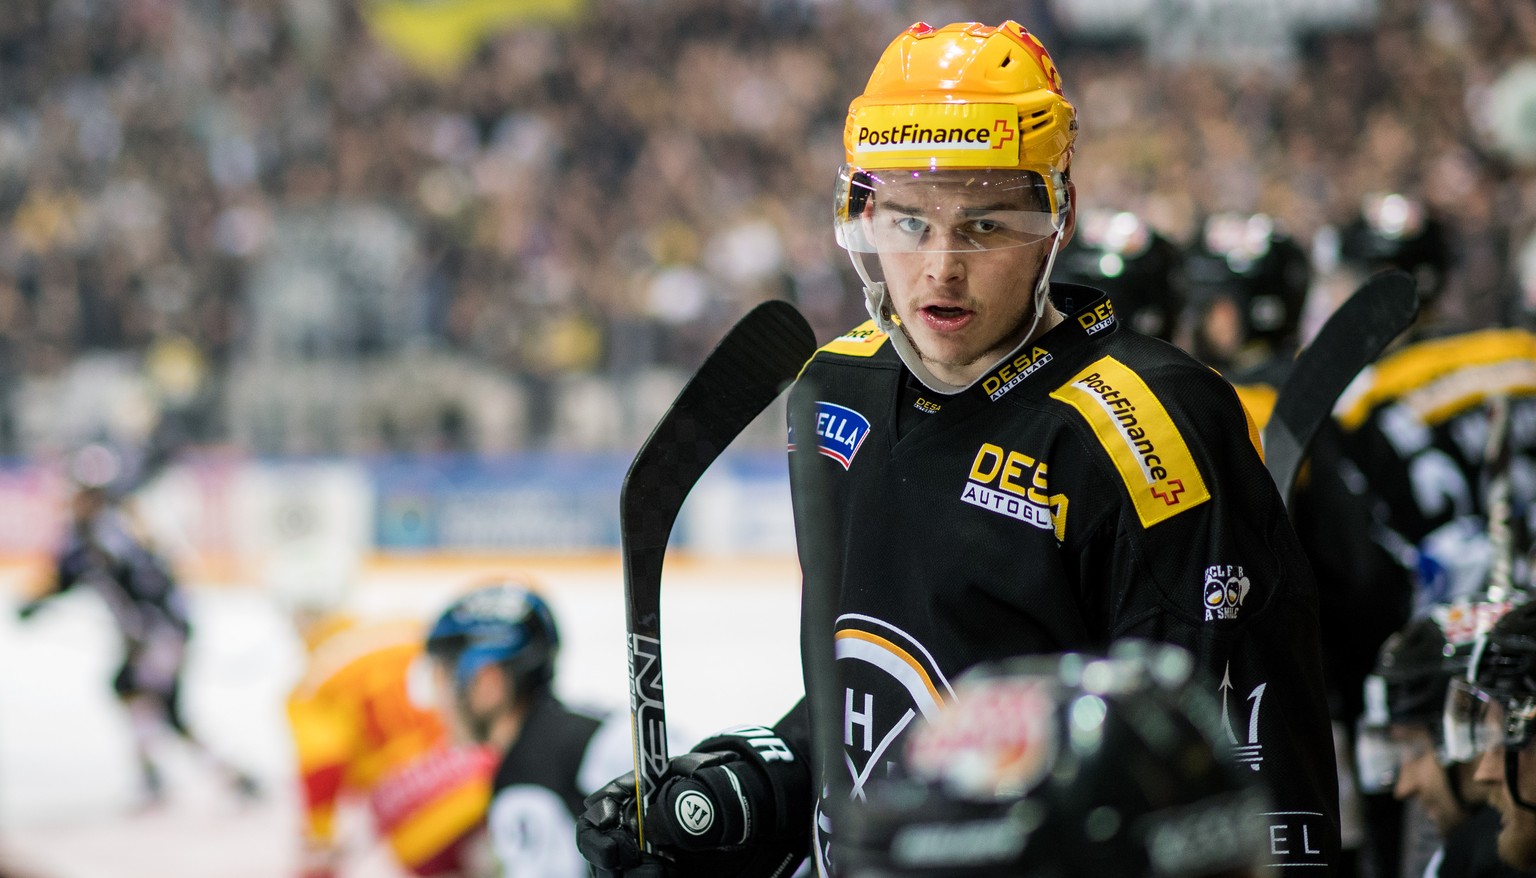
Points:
[(861, 341)]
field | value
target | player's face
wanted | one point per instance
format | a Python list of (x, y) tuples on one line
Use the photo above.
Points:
[(1517, 835), (960, 264), (1420, 776)]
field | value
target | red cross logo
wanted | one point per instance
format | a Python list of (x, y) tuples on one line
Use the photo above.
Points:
[(1005, 133), (1175, 488)]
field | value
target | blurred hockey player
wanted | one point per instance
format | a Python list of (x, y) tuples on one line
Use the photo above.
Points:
[(1395, 507), (1246, 284), (359, 735), (493, 653), (1490, 713), (1401, 747), (107, 551), (1060, 766), (1117, 252)]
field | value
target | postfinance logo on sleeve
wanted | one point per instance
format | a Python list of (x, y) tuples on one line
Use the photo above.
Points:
[(1147, 449)]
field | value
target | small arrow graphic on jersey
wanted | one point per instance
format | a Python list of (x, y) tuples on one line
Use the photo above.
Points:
[(1226, 718)]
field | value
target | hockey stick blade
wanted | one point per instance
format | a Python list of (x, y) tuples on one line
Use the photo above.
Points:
[(1354, 336), (739, 379)]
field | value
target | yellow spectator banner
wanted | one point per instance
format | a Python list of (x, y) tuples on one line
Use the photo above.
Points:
[(439, 36)]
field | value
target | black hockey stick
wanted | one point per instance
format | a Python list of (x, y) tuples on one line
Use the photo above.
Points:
[(740, 378), (1354, 336)]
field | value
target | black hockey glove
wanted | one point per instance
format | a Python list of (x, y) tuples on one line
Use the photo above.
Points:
[(735, 808)]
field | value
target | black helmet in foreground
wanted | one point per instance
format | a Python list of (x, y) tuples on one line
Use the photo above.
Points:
[(1064, 766)]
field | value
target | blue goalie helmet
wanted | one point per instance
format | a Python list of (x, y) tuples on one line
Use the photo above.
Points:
[(505, 624)]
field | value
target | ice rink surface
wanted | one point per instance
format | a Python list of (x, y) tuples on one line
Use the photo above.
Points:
[(68, 806)]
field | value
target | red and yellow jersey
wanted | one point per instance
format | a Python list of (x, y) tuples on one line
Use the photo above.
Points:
[(357, 733)]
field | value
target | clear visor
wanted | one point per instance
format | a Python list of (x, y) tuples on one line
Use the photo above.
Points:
[(908, 211), (1381, 753), (1474, 722), (1376, 759)]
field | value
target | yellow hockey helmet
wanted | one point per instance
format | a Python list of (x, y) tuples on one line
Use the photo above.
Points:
[(965, 95)]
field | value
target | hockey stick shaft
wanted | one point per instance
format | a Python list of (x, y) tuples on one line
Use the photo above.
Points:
[(819, 598), (739, 379), (1497, 458), (1354, 336)]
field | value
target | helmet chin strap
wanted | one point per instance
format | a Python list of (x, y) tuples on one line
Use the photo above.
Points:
[(877, 300)]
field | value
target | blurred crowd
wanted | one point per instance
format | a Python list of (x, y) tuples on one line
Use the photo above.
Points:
[(259, 219)]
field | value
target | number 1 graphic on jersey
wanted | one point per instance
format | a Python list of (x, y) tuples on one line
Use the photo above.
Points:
[(1251, 753)]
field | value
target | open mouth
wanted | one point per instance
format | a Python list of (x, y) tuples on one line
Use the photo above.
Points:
[(944, 316)]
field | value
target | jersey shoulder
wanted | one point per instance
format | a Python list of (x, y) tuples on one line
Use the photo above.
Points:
[(863, 341), (1134, 405)]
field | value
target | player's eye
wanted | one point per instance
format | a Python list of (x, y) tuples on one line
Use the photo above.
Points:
[(911, 225)]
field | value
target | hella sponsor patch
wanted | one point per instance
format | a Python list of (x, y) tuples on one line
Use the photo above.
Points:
[(840, 432), (1226, 587)]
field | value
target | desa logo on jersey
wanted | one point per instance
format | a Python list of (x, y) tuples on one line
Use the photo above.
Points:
[(840, 431), (1008, 375), (1099, 319), (1022, 491), (953, 135)]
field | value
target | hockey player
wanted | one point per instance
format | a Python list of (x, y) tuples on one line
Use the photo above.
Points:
[(1401, 743), (1394, 514), (105, 550), (493, 656), (1246, 281), (1066, 765), (1005, 470), (1116, 251), (359, 735), (1490, 713)]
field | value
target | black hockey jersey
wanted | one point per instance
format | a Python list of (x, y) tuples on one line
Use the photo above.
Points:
[(559, 757), (1098, 485)]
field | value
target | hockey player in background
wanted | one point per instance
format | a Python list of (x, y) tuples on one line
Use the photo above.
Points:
[(1005, 470), (1058, 766), (1246, 283), (359, 735), (1489, 713), (1118, 252), (1401, 742), (1393, 510), (106, 550), (493, 654)]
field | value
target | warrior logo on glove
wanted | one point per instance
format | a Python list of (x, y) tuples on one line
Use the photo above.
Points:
[(694, 813)]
